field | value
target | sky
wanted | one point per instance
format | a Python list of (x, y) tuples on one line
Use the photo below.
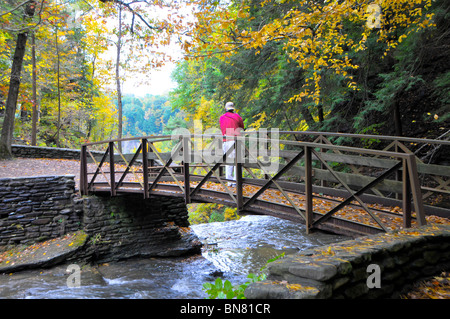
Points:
[(160, 79), (160, 83)]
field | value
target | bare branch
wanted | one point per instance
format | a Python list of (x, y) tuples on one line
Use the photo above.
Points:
[(128, 6), (17, 7), (29, 27)]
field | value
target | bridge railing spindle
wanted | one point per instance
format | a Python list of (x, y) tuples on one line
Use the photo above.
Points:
[(308, 190), (83, 171), (239, 158), (145, 167), (112, 172), (406, 195), (186, 140)]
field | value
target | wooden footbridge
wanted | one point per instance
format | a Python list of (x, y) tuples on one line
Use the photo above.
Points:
[(300, 176)]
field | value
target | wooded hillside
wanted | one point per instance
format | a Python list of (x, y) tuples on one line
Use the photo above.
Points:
[(376, 67), (319, 65)]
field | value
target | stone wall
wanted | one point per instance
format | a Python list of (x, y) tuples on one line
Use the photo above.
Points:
[(33, 209), (129, 226), (44, 152), (37, 208), (376, 266)]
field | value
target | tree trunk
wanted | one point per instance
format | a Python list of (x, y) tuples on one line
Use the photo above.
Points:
[(58, 126), (320, 112), (91, 122), (119, 93), (306, 114), (11, 101), (397, 120), (34, 117), (13, 92)]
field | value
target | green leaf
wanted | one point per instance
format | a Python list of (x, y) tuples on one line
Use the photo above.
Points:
[(224, 289), (221, 295), (230, 294), (240, 296), (212, 294), (275, 258), (207, 286), (227, 285), (252, 276), (218, 283)]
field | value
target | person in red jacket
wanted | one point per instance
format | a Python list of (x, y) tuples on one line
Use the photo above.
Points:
[(231, 125)]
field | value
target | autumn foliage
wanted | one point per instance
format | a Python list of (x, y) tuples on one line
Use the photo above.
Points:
[(75, 78), (437, 287), (318, 65)]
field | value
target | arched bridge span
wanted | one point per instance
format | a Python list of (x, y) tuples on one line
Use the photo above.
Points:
[(300, 176)]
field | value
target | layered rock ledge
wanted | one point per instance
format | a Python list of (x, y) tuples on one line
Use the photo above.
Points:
[(39, 211), (376, 266)]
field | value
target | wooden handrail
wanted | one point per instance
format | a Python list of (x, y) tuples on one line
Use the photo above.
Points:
[(370, 136)]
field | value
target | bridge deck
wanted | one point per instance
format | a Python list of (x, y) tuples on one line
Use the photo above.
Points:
[(351, 220)]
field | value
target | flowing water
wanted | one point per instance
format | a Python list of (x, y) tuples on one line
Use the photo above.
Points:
[(232, 250)]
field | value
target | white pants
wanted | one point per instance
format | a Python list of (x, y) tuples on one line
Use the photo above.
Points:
[(230, 172)]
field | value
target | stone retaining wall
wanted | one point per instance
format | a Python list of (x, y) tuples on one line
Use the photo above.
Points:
[(37, 208), (34, 209), (376, 266), (27, 151), (129, 226)]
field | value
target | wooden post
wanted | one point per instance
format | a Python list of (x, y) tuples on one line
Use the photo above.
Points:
[(238, 159), (186, 158), (406, 196), (239, 187), (222, 160), (266, 149), (401, 176), (83, 171), (145, 167), (150, 150), (323, 182), (416, 190), (308, 190), (187, 183), (112, 172)]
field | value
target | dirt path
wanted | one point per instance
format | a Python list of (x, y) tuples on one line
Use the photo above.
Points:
[(25, 167)]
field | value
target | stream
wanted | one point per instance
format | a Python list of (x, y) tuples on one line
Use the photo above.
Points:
[(232, 250)]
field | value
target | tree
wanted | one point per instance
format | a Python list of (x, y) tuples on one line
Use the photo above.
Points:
[(118, 85), (14, 83), (58, 87), (34, 75), (93, 43), (314, 33), (62, 80), (71, 108), (320, 43), (138, 42)]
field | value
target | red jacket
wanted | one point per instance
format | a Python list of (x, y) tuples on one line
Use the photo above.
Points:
[(230, 124)]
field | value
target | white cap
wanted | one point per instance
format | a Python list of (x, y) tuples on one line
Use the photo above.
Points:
[(229, 106)]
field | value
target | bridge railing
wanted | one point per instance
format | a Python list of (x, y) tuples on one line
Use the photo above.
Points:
[(192, 167), (432, 157)]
